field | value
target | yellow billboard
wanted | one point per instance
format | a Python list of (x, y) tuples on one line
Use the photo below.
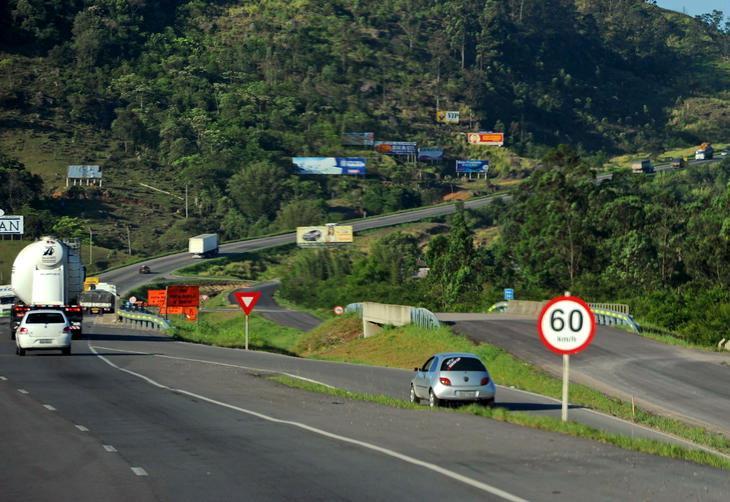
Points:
[(323, 236)]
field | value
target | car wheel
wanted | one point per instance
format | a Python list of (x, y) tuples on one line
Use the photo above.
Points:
[(20, 351), (488, 403), (433, 401), (66, 351), (413, 397)]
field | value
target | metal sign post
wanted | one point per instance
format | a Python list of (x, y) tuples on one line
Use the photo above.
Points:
[(566, 326), (246, 330)]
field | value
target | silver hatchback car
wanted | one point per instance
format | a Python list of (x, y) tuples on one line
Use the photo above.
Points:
[(448, 376)]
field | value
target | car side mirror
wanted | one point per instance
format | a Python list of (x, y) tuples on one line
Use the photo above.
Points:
[(416, 369)]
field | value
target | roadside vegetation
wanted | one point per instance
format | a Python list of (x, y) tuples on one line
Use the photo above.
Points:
[(536, 422)]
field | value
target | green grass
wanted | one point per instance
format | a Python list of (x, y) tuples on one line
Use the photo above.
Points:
[(226, 329), (410, 346), (536, 422)]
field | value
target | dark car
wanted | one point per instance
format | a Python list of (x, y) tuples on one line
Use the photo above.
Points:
[(312, 235), (679, 163), (144, 269)]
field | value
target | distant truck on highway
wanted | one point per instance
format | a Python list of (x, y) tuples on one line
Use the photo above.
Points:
[(48, 274), (7, 298), (642, 167), (704, 152), (203, 245)]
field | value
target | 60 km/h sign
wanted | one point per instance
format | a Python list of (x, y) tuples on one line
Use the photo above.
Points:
[(566, 325)]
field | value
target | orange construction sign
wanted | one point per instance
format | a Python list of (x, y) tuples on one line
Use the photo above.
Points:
[(183, 296), (156, 297)]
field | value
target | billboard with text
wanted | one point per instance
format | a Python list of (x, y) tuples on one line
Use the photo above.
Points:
[(486, 138), (358, 139), (396, 147), (430, 154), (329, 165), (447, 117), (183, 296), (323, 236), (472, 166)]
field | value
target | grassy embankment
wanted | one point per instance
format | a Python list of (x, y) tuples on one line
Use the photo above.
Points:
[(339, 340)]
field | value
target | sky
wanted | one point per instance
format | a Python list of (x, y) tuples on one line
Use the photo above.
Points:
[(695, 7)]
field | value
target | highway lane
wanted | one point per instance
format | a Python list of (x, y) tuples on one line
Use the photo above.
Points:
[(128, 278), (688, 384), (211, 431), (269, 309)]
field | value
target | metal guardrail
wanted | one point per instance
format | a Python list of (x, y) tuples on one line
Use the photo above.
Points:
[(619, 308), (354, 308), (143, 319)]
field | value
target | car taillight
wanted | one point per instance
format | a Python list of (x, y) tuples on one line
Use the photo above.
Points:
[(485, 381), (66, 329), (444, 381), (23, 330)]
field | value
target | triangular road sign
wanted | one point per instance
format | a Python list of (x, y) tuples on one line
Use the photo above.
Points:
[(247, 299)]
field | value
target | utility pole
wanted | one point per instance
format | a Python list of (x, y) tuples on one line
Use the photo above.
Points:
[(129, 242), (186, 201), (91, 240)]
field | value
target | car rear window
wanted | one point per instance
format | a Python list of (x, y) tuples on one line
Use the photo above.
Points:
[(45, 318), (462, 364)]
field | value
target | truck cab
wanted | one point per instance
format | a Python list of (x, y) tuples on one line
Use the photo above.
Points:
[(642, 166)]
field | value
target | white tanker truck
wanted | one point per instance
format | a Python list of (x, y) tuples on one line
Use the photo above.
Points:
[(48, 274)]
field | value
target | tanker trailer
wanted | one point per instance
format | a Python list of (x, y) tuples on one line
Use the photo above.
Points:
[(48, 274)]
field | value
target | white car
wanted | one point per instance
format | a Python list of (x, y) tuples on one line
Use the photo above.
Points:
[(43, 329)]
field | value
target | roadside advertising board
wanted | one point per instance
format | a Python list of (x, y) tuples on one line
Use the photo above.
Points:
[(358, 139), (447, 117), (324, 236), (11, 225), (156, 297), (183, 296), (396, 147), (472, 166), (566, 325), (431, 154), (329, 165), (486, 138)]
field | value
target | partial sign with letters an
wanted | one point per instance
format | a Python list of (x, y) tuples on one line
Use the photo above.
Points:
[(11, 225)]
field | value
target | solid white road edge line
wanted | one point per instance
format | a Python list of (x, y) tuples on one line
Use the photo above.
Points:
[(215, 363), (23, 391), (390, 453), (49, 407)]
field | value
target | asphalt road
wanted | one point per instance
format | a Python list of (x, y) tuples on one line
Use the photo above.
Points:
[(203, 424), (128, 278), (269, 309), (688, 384)]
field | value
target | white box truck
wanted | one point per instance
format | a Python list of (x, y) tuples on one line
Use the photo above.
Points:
[(204, 245)]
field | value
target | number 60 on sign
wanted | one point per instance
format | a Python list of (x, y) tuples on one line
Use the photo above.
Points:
[(566, 325)]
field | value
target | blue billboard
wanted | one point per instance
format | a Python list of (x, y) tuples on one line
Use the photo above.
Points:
[(472, 166), (432, 154), (396, 147), (329, 165)]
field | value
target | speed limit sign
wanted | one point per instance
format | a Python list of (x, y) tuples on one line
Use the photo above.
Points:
[(566, 325)]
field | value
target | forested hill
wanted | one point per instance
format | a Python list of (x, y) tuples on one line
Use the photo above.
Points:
[(199, 90)]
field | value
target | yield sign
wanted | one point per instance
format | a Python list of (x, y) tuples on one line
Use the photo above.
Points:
[(247, 299)]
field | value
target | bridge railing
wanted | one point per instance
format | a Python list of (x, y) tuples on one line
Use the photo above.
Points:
[(143, 319)]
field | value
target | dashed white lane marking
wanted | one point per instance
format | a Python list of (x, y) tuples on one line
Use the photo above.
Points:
[(3, 379), (23, 391), (82, 428), (109, 448), (216, 363), (139, 471), (385, 451), (49, 407)]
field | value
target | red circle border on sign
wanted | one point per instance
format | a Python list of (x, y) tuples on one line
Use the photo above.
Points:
[(544, 311)]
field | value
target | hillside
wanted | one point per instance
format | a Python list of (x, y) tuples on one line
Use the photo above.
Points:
[(217, 96)]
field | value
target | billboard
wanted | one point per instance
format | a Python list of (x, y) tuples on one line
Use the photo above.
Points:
[(430, 153), (396, 147), (358, 139), (472, 166), (10, 224), (323, 236), (447, 117), (183, 296), (486, 138), (329, 165)]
